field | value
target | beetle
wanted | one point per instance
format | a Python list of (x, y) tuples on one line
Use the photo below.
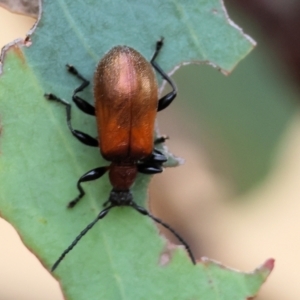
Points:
[(126, 103)]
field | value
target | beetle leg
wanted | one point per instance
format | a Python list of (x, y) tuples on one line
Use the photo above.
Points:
[(150, 168), (81, 136), (166, 100), (153, 164), (81, 104), (145, 212), (161, 139), (89, 176), (157, 157)]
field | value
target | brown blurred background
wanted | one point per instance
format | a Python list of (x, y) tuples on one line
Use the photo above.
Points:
[(237, 197)]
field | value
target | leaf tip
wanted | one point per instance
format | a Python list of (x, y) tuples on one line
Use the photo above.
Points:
[(268, 266), (265, 269)]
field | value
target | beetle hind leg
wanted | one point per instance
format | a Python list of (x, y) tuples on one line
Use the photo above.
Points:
[(89, 176)]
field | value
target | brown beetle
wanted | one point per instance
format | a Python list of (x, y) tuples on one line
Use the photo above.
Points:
[(126, 102)]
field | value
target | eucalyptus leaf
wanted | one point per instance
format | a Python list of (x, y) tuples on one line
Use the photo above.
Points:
[(123, 256)]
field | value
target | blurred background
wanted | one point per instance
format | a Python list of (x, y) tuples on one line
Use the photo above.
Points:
[(237, 197)]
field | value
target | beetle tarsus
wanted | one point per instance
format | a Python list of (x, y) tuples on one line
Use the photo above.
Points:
[(72, 203), (72, 69), (52, 97), (161, 139), (159, 45)]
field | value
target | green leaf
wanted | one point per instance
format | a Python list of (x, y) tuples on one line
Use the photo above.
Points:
[(122, 257), (241, 120)]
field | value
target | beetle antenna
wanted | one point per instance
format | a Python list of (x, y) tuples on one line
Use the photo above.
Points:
[(145, 212), (101, 215)]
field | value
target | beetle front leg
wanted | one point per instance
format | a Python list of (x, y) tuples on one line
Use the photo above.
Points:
[(166, 100), (81, 103)]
